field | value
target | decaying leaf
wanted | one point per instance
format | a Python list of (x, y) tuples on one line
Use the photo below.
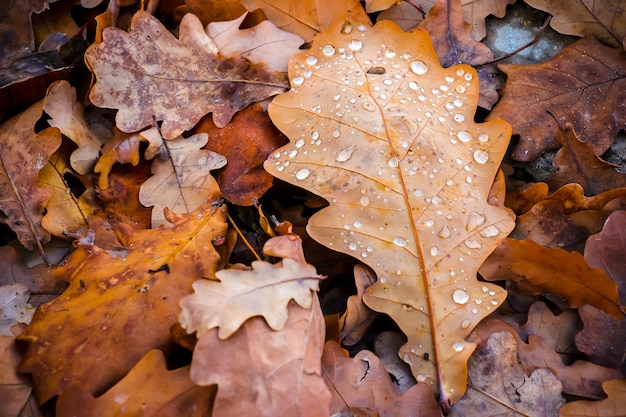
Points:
[(262, 43), (148, 74), (265, 373), (498, 386), (148, 390), (120, 303), (22, 155), (603, 20), (613, 406), (182, 178), (537, 269), (602, 338), (578, 163), (363, 383), (308, 17), (392, 145), (265, 290), (67, 115), (569, 86), (246, 142)]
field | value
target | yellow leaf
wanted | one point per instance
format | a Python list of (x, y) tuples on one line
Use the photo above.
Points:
[(387, 136)]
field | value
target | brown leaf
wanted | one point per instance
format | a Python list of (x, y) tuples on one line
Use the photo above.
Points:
[(263, 43), (261, 372), (602, 338), (363, 383), (121, 302), (182, 178), (265, 290), (148, 74), (17, 31), (358, 317), (307, 18), (246, 143), (605, 21), (212, 10), (22, 154), (613, 406), (498, 386), (580, 85), (539, 269), (149, 389), (67, 115), (15, 388), (605, 250), (557, 331), (452, 40), (393, 147), (578, 163)]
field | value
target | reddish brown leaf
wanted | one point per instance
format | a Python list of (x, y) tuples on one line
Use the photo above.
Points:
[(149, 389), (602, 338), (363, 383), (540, 269), (22, 155), (246, 143), (452, 39), (570, 85), (606, 250), (261, 372), (121, 302), (148, 74), (212, 10), (578, 163)]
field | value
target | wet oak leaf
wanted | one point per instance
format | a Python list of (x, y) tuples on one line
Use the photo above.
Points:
[(604, 20), (583, 85), (182, 180), (612, 406), (393, 147), (22, 155), (452, 39), (362, 382), (263, 43), (148, 74), (67, 115), (246, 143), (124, 299), (538, 269), (265, 373), (265, 290), (578, 163), (498, 385), (306, 18), (149, 389)]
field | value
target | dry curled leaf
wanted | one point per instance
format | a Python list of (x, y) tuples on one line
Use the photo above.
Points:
[(148, 74), (570, 86), (392, 145), (120, 303), (537, 269), (358, 317)]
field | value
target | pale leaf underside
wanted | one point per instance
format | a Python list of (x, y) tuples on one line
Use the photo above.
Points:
[(387, 136)]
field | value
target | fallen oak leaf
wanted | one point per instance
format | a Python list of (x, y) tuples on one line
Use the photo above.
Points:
[(265, 290), (602, 338), (149, 389), (122, 297), (568, 85), (182, 179), (393, 147), (358, 317), (22, 155), (612, 406), (538, 269), (362, 382), (266, 373), (174, 80)]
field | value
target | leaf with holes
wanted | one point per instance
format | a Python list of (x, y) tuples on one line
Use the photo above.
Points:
[(391, 143)]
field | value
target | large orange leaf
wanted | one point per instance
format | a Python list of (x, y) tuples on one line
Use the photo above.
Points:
[(121, 302), (386, 135), (149, 74)]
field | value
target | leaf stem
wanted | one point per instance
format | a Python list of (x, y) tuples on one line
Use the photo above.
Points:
[(245, 241)]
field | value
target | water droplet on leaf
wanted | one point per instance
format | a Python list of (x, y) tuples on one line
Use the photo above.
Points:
[(303, 173), (460, 296)]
